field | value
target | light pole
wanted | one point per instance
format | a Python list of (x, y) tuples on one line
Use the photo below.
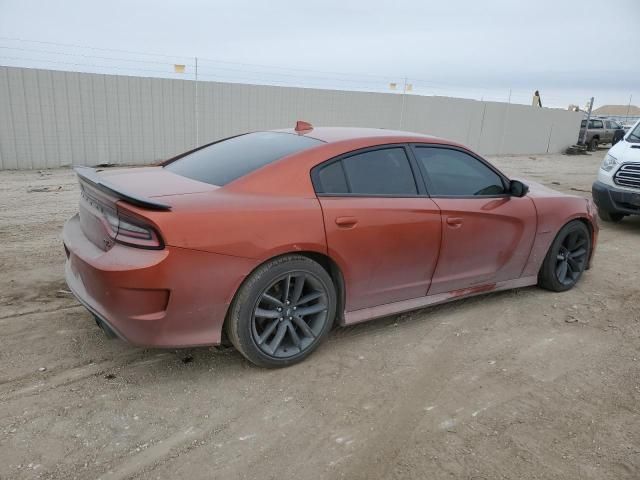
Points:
[(196, 105), (586, 125)]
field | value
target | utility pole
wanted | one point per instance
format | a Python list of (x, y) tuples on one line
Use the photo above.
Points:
[(586, 125), (404, 96), (629, 108), (505, 123), (196, 105)]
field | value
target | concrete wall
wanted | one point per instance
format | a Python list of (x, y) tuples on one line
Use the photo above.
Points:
[(50, 118)]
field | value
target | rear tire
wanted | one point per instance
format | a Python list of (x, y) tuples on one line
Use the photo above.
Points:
[(593, 145), (613, 217), (567, 258), (266, 322)]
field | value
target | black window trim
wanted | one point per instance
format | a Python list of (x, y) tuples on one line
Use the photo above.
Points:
[(417, 176), (164, 163), (169, 161), (503, 178)]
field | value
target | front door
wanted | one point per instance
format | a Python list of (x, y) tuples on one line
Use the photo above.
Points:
[(381, 230), (487, 234)]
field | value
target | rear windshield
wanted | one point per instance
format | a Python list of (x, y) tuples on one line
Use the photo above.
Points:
[(223, 162)]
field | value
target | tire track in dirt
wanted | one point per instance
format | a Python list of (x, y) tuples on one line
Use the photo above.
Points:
[(323, 447), (38, 311), (76, 374), (382, 447), (424, 387)]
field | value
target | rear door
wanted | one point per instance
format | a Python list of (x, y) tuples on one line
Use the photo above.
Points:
[(380, 226), (487, 234)]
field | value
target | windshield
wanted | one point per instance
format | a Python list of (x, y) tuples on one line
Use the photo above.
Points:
[(634, 135), (227, 160)]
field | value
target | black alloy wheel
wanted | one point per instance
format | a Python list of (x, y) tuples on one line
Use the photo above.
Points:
[(289, 315), (571, 257), (282, 312), (567, 258)]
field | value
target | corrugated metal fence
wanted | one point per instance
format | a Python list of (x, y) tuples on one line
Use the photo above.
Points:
[(50, 118)]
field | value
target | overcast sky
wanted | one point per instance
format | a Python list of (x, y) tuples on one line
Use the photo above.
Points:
[(569, 50)]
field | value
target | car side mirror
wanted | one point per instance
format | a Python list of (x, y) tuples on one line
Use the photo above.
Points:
[(517, 188)]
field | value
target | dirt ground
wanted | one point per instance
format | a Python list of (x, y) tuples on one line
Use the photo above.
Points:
[(524, 384)]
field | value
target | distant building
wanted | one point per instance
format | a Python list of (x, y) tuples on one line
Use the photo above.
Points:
[(618, 110), (622, 113)]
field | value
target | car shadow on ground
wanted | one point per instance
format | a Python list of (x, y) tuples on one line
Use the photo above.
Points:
[(225, 361)]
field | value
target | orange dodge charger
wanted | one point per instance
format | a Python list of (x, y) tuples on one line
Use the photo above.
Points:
[(271, 238)]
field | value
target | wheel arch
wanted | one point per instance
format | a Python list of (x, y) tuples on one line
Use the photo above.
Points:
[(548, 278), (335, 272), (590, 227), (325, 261), (552, 217), (592, 232)]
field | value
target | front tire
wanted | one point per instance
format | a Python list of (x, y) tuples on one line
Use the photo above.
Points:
[(282, 312), (567, 258)]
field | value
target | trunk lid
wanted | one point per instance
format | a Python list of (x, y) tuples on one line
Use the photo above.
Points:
[(101, 190), (153, 182)]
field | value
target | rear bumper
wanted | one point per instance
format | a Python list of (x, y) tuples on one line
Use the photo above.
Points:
[(174, 297), (612, 199)]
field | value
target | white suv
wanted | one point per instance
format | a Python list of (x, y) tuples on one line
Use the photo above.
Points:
[(617, 190)]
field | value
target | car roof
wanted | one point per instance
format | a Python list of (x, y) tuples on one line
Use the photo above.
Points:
[(339, 134), (290, 174)]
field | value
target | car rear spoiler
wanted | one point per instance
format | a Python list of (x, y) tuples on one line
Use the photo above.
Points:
[(90, 176)]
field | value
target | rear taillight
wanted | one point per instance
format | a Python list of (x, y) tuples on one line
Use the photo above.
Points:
[(136, 232), (118, 224)]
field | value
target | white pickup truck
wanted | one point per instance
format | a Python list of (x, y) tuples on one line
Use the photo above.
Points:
[(617, 190)]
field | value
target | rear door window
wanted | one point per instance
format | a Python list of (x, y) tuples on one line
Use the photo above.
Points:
[(383, 171), (332, 179), (380, 172), (227, 160)]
